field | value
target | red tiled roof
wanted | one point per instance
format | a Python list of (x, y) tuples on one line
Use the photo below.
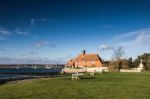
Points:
[(88, 57)]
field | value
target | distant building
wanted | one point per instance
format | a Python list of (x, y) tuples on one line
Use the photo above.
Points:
[(85, 60)]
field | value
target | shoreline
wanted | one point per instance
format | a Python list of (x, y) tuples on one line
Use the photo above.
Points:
[(27, 77)]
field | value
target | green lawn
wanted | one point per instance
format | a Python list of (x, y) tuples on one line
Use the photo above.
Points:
[(103, 86)]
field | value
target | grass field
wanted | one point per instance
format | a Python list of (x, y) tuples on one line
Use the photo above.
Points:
[(103, 86)]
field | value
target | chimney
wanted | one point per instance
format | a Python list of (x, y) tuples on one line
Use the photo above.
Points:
[(84, 52)]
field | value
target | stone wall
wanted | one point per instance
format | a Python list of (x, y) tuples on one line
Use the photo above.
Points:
[(94, 69)]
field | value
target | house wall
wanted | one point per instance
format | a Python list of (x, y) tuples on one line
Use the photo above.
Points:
[(88, 64)]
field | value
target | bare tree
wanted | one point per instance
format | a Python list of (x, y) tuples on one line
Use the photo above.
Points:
[(118, 54), (117, 58)]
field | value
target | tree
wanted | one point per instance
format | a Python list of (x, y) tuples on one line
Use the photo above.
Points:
[(117, 61), (114, 66), (130, 63), (136, 63), (118, 54), (124, 64)]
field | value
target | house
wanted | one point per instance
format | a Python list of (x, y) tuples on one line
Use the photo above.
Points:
[(85, 60)]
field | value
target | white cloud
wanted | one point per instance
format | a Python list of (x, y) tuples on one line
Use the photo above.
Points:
[(143, 38), (140, 37), (33, 21), (105, 47), (40, 44), (20, 32), (133, 34), (30, 60), (31, 54), (135, 42)]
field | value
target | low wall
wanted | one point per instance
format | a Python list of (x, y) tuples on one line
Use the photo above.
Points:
[(128, 70), (93, 69), (74, 70), (96, 69)]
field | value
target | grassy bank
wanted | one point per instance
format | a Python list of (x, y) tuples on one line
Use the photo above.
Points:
[(104, 86)]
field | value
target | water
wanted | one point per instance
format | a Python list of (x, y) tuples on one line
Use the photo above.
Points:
[(13, 73), (6, 76), (29, 70)]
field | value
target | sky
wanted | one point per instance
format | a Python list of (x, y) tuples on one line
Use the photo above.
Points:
[(53, 31)]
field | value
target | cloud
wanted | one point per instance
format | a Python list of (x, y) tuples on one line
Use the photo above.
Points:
[(4, 32), (134, 43), (20, 32), (143, 38), (41, 44), (33, 21), (48, 20), (139, 37), (30, 54), (30, 60), (105, 47), (33, 53), (132, 34), (31, 57)]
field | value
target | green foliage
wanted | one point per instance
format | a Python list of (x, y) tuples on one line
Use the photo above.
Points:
[(130, 63), (146, 60), (136, 63)]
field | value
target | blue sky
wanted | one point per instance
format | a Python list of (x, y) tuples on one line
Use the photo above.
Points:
[(53, 31)]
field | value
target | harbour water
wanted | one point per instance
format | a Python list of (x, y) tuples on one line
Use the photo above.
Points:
[(29, 70), (7, 76), (18, 73)]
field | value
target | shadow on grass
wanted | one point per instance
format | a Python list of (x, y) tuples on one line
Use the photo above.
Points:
[(87, 78)]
